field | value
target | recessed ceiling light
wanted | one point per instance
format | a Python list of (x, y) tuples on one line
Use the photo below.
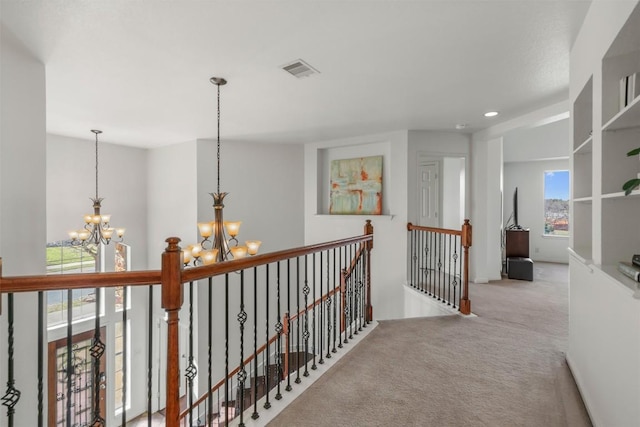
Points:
[(491, 114), (461, 126)]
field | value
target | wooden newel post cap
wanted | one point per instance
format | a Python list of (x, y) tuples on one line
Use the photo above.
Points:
[(172, 244), (172, 295), (0, 285), (368, 230), (466, 233)]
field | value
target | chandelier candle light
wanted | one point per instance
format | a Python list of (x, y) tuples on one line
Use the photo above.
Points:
[(214, 246), (96, 226)]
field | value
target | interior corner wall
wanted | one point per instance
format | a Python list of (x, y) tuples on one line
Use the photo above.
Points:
[(389, 257), (122, 184), (486, 209), (22, 206), (529, 178), (172, 198)]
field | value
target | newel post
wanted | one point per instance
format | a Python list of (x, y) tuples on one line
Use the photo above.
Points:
[(368, 230), (0, 286), (172, 299), (465, 303)]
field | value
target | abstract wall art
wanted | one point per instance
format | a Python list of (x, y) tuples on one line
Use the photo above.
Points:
[(356, 186)]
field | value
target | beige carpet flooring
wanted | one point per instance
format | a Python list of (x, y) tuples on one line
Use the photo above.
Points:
[(505, 367)]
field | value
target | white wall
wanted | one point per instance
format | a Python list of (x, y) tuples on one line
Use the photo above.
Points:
[(172, 198), (122, 184), (453, 192), (22, 207), (390, 235), (265, 185), (538, 143), (529, 178)]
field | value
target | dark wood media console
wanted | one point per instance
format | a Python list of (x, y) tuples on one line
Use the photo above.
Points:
[(517, 244)]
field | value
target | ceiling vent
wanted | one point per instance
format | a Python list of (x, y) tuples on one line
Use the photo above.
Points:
[(299, 69)]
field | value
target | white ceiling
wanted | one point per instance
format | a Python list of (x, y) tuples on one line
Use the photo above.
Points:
[(139, 70)]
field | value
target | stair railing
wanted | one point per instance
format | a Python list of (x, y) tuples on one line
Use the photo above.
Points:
[(297, 307), (257, 293), (438, 263)]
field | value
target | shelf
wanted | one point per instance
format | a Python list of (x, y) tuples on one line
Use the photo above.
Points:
[(586, 147), (583, 200), (627, 118), (620, 195), (612, 271)]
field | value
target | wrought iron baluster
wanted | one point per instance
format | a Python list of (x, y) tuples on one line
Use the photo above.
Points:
[(41, 326), (421, 258), (191, 371), (360, 293), (356, 295), (209, 412), (125, 351), (305, 331), (350, 292), (267, 363), (432, 267), (343, 286), (150, 357), (298, 380), (328, 305), (320, 340), (242, 373), (12, 396), (335, 301), (69, 356), (414, 258), (288, 352), (449, 272), (313, 300), (440, 268), (226, 348), (459, 277), (255, 414), (279, 329)]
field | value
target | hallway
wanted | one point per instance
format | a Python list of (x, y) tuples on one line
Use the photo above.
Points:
[(505, 367)]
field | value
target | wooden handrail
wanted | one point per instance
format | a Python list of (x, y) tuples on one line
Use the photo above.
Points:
[(410, 227), (78, 281), (206, 271)]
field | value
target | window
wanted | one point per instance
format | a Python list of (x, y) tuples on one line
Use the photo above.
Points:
[(63, 258), (556, 203), (120, 364)]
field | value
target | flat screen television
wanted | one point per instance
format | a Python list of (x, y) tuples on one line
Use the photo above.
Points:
[(516, 224)]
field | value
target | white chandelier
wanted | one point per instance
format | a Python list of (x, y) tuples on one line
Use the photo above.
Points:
[(97, 229), (214, 246)]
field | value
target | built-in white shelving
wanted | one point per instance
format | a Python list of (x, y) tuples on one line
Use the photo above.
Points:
[(629, 117), (604, 304), (585, 147), (602, 150)]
